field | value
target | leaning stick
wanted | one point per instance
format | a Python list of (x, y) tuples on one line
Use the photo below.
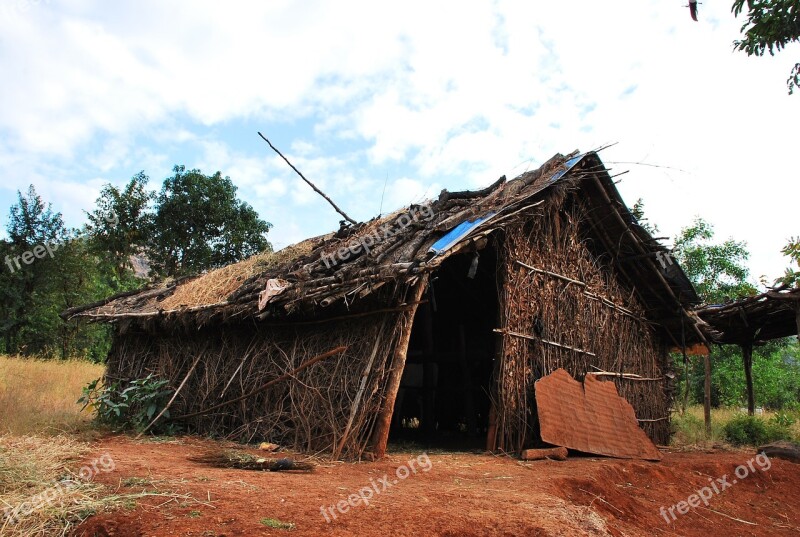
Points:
[(299, 368), (317, 190), (174, 396)]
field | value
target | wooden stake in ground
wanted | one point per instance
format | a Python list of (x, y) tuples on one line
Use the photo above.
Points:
[(317, 190)]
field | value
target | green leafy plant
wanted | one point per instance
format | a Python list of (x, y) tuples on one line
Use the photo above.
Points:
[(130, 407)]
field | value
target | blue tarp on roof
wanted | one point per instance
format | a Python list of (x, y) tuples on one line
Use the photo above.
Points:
[(569, 165), (465, 228), (456, 234)]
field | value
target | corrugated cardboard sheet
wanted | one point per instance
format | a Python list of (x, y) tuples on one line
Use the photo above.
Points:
[(590, 417)]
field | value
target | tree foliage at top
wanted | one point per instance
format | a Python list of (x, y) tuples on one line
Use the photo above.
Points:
[(120, 224), (199, 224), (792, 250), (195, 224), (33, 292), (769, 26), (717, 270)]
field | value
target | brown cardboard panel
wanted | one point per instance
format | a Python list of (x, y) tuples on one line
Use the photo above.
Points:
[(590, 417)]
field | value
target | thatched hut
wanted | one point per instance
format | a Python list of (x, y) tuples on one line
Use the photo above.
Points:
[(433, 321)]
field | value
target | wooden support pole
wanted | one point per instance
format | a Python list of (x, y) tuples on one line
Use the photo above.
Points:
[(747, 357), (707, 394), (797, 318), (381, 435)]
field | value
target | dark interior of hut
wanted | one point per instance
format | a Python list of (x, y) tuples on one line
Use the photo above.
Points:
[(444, 398)]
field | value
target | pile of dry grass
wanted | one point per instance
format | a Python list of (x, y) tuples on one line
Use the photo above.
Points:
[(44, 490), (245, 461), (38, 396), (40, 494), (215, 286)]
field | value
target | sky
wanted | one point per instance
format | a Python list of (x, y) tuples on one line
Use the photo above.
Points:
[(384, 104)]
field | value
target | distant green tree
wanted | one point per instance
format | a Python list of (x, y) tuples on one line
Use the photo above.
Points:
[(120, 225), (792, 250), (34, 289), (717, 270), (776, 376), (32, 225), (719, 274), (769, 25), (199, 224)]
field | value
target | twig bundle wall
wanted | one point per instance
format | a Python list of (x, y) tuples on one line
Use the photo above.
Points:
[(313, 411), (571, 313)]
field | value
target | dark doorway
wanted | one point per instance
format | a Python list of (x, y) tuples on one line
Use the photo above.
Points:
[(444, 397)]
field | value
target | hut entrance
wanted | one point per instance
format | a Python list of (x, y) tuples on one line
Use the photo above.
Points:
[(444, 395)]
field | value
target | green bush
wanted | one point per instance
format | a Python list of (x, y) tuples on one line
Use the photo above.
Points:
[(751, 430), (132, 407)]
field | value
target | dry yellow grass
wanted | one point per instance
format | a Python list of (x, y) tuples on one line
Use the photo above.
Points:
[(217, 285), (39, 397)]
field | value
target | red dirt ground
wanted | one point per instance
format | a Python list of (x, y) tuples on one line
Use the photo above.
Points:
[(461, 495)]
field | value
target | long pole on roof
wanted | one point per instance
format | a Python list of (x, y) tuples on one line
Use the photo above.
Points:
[(317, 190)]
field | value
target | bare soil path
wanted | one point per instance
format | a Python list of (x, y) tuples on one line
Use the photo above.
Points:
[(460, 495)]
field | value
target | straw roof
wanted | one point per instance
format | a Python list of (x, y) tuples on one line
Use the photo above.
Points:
[(342, 268)]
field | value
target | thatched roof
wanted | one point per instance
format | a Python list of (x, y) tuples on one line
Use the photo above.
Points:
[(771, 315), (324, 273)]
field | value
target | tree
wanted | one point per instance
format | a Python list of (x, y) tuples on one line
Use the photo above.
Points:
[(120, 225), (792, 250), (199, 224), (32, 227), (770, 25), (718, 271), (48, 269)]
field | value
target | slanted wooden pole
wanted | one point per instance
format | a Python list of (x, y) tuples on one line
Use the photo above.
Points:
[(312, 185), (747, 357), (707, 393), (384, 422)]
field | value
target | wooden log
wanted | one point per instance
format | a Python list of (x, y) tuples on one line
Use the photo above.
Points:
[(557, 453), (381, 435)]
